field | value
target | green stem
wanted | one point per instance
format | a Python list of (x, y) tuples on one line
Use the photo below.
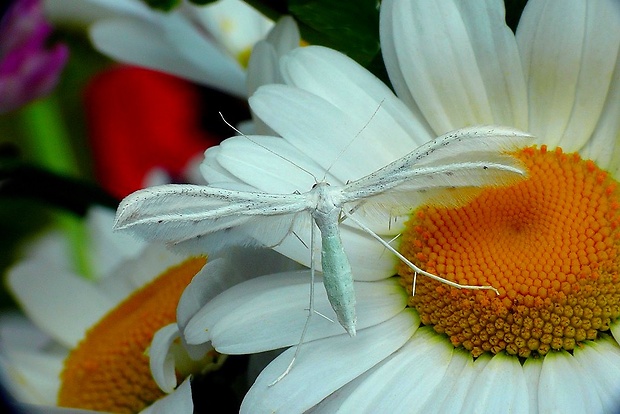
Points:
[(50, 146)]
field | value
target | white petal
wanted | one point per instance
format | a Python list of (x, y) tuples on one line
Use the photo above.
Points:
[(31, 376), (351, 88), (326, 365), (250, 317), (284, 36), (61, 304), (531, 369), (565, 387), (601, 359), (135, 273), (614, 327), (455, 398), (419, 367), (203, 287), (269, 164), (18, 332), (457, 60), (178, 402), (140, 43), (133, 8), (161, 360), (456, 372), (233, 23), (107, 248), (346, 143), (235, 265), (263, 67), (51, 249), (499, 388), (604, 145), (220, 70), (569, 53)]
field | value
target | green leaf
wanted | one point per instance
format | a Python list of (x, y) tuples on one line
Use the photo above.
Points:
[(351, 27)]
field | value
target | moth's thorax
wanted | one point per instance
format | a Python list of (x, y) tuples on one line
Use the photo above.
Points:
[(328, 205)]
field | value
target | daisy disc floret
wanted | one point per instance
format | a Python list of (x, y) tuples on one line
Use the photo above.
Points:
[(567, 211)]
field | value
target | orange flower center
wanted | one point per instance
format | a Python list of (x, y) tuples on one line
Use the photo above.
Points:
[(109, 369), (549, 244)]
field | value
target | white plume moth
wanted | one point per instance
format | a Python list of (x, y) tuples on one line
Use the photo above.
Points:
[(441, 169)]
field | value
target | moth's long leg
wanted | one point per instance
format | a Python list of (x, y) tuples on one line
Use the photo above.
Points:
[(311, 311), (411, 265)]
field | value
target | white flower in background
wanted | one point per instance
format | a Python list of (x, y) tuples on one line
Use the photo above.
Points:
[(549, 341), (208, 44), (85, 343)]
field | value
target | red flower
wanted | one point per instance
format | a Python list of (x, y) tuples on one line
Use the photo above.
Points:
[(141, 121)]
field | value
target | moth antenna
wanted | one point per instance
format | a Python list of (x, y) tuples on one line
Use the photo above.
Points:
[(346, 147), (300, 239), (268, 149)]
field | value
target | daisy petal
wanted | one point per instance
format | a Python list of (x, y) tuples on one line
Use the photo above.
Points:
[(602, 360), (116, 7), (466, 67), (235, 321), (284, 36), (454, 397), (345, 84), (295, 113), (262, 67), (531, 369), (28, 375), (419, 367), (569, 53), (237, 265), (348, 358), (180, 401), (604, 145), (565, 387), (219, 70), (253, 160), (161, 361), (108, 248), (138, 42), (614, 327), (61, 304), (501, 373)]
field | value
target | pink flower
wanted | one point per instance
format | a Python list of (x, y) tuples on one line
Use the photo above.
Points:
[(28, 69)]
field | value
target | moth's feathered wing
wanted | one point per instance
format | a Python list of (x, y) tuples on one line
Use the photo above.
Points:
[(183, 214), (449, 170)]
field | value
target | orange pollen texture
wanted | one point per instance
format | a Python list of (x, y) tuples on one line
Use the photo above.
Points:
[(109, 369), (549, 244)]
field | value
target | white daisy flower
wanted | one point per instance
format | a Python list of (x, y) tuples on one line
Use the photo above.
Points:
[(549, 341), (208, 44), (85, 344)]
